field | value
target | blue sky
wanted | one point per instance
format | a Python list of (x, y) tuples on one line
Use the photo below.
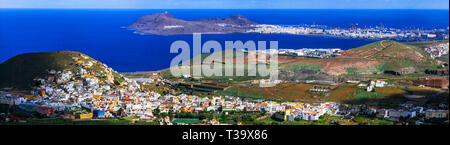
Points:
[(229, 4)]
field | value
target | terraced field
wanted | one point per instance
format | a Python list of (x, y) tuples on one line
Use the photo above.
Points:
[(346, 93)]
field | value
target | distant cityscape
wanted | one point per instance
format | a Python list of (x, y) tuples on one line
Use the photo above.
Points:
[(305, 52), (378, 32), (434, 51)]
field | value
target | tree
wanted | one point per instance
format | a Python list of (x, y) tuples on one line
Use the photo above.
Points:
[(379, 67), (156, 111), (223, 117), (163, 115), (119, 112)]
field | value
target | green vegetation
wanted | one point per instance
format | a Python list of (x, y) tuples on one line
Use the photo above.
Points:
[(444, 58), (383, 67), (131, 117), (266, 121), (393, 55), (19, 71), (372, 121), (237, 65), (351, 70), (186, 120), (233, 117), (363, 94), (323, 120), (245, 117), (335, 120), (146, 123), (4, 108)]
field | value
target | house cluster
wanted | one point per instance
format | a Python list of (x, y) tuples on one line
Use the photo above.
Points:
[(320, 89), (304, 52), (311, 52), (378, 32), (143, 105), (438, 50), (188, 103), (304, 111), (402, 113), (266, 82), (373, 84), (70, 95), (87, 84), (396, 114), (406, 111)]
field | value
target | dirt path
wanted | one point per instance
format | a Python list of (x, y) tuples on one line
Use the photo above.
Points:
[(382, 45)]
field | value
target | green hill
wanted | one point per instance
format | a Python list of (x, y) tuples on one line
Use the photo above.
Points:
[(393, 55), (20, 71)]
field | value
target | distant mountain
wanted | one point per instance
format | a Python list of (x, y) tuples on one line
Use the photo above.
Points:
[(237, 20), (165, 23), (21, 71)]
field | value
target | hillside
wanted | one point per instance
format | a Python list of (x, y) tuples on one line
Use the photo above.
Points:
[(375, 57), (392, 55), (387, 49), (165, 23), (20, 71), (424, 44)]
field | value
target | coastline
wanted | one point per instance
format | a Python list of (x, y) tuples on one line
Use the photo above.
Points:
[(322, 35)]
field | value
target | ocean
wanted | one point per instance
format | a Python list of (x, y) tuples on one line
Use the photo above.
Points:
[(99, 33)]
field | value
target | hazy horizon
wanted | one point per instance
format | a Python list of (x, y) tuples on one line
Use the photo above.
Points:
[(226, 4), (219, 9)]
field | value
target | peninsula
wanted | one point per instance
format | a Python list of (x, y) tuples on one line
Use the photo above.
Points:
[(165, 23)]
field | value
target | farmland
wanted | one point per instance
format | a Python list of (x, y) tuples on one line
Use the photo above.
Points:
[(348, 93), (329, 120)]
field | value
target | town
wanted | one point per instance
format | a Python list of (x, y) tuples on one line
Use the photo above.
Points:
[(438, 50), (378, 32), (144, 104), (82, 96), (312, 52), (304, 52), (90, 90)]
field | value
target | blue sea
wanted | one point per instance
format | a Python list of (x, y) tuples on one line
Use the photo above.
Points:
[(98, 33)]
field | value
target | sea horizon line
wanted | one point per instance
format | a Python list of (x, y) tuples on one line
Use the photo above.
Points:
[(215, 9)]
